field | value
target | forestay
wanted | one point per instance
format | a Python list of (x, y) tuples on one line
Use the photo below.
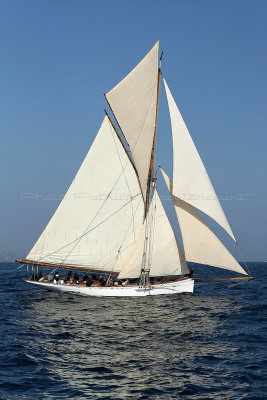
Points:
[(201, 245), (100, 212), (133, 102), (166, 255), (190, 179)]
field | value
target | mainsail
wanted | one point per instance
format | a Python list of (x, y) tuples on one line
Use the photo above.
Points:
[(166, 256), (190, 179), (201, 245), (134, 103), (100, 212)]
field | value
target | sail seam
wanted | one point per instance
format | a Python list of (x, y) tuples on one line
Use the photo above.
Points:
[(123, 239)]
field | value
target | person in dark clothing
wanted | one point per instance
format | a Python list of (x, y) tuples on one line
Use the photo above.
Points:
[(40, 275), (56, 277), (191, 271), (89, 281), (76, 278), (69, 275), (101, 280), (104, 282), (32, 277), (94, 277)]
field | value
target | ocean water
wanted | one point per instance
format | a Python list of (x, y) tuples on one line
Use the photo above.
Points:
[(209, 345)]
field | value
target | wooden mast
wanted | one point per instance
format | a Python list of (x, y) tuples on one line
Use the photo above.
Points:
[(152, 159), (144, 276)]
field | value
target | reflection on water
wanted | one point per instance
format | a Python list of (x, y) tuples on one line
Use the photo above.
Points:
[(132, 343), (186, 346)]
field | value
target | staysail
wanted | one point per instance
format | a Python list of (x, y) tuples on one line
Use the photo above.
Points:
[(166, 255), (133, 102), (201, 245), (100, 212), (190, 179)]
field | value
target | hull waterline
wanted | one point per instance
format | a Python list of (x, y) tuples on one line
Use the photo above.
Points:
[(184, 286)]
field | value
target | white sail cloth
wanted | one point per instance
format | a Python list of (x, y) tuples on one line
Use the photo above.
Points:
[(166, 257), (201, 245), (133, 102), (98, 216), (190, 179)]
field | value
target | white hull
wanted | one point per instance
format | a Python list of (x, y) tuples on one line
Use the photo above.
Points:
[(184, 286)]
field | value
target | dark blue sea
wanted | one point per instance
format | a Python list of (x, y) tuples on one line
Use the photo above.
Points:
[(209, 345)]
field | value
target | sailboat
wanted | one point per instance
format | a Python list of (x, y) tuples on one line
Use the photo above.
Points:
[(112, 221)]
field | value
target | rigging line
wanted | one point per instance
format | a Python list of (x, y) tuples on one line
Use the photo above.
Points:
[(241, 253), (116, 258), (125, 237), (157, 122), (116, 119), (123, 145), (152, 227), (145, 246), (127, 183), (157, 146), (152, 156), (50, 273), (175, 270), (149, 240), (96, 226), (143, 264), (147, 243), (126, 151), (231, 285), (42, 246), (152, 234)]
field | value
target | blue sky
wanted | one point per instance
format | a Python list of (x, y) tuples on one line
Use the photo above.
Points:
[(59, 57)]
